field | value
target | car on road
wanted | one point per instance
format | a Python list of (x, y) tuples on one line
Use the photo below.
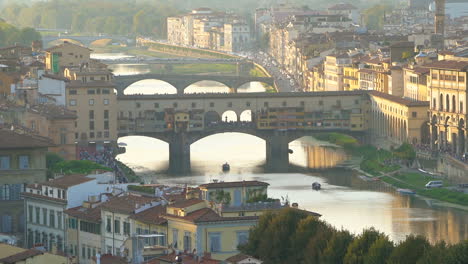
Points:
[(434, 184)]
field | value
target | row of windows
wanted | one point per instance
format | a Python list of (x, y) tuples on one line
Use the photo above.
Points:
[(98, 134), (11, 192), (48, 218), (446, 77), (106, 125), (248, 104), (106, 114), (23, 162), (450, 105), (73, 102), (117, 226), (90, 91)]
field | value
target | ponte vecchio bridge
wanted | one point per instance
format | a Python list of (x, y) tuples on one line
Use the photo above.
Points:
[(278, 118), (181, 82)]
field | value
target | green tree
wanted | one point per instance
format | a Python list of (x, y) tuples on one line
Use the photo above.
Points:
[(336, 247), (410, 250), (358, 249), (436, 254), (458, 254), (379, 251)]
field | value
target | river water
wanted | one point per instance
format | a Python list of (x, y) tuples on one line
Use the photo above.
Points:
[(346, 201)]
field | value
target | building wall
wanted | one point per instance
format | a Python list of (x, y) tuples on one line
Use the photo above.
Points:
[(6, 80), (69, 55), (81, 101), (53, 88)]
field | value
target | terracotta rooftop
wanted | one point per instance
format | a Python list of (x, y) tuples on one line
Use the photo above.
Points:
[(22, 256), (88, 214), (420, 70), (55, 77), (186, 259), (12, 140), (151, 215), (109, 259), (67, 181), (233, 184), (208, 215), (52, 111), (449, 65), (65, 43), (126, 204), (80, 84), (186, 203), (399, 100), (239, 257), (43, 197)]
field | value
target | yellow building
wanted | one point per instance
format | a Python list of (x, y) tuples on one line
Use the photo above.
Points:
[(95, 104), (333, 70), (66, 55), (22, 161), (398, 120), (15, 255), (415, 83), (449, 111), (351, 78)]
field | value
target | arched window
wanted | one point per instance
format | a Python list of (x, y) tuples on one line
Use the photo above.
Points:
[(454, 104), (434, 104), (461, 108), (441, 103), (447, 103)]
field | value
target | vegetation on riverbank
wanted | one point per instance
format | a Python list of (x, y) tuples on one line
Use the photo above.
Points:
[(129, 173), (417, 182), (294, 236), (56, 164)]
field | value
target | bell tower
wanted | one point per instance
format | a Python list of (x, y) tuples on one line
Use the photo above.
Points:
[(439, 21)]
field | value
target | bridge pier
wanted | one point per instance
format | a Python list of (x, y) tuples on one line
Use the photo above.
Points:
[(277, 152), (179, 154)]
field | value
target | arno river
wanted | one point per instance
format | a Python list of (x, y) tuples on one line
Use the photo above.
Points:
[(345, 200)]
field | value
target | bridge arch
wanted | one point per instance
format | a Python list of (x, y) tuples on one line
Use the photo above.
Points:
[(258, 87), (62, 40), (211, 118), (246, 116), (229, 116), (211, 87), (150, 86)]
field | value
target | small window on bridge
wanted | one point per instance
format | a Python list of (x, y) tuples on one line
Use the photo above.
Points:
[(156, 105), (302, 103), (138, 105), (91, 91), (211, 104), (320, 102), (265, 104), (175, 104), (284, 103), (230, 104), (247, 104), (194, 105)]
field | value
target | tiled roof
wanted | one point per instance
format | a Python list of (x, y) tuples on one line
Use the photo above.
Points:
[(10, 140), (109, 259), (186, 259), (238, 257), (151, 215), (55, 77), (449, 65), (43, 197), (65, 43), (79, 84), (420, 70), (67, 181), (21, 256), (233, 184), (399, 100), (186, 203), (88, 214), (208, 215), (54, 111), (126, 204)]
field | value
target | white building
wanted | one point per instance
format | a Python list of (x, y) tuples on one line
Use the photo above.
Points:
[(53, 86), (45, 203)]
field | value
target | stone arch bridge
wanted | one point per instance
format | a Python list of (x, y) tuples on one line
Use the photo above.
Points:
[(147, 115), (181, 82), (85, 40)]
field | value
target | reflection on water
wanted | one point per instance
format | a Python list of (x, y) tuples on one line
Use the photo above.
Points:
[(345, 201)]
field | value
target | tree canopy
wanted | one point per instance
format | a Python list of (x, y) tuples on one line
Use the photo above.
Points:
[(9, 35), (294, 236)]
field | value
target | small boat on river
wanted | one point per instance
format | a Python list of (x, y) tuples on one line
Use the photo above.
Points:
[(316, 186), (226, 167), (406, 191)]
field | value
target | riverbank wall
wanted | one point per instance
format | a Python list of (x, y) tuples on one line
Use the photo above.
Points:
[(455, 170)]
